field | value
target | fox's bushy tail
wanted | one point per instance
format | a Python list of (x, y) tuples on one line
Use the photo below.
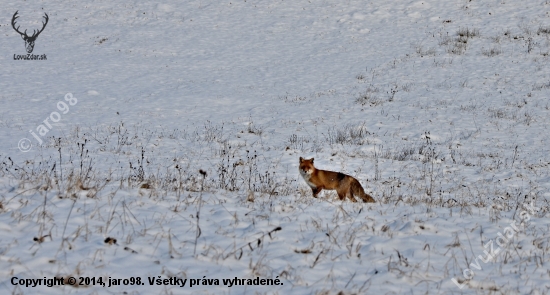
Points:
[(358, 190)]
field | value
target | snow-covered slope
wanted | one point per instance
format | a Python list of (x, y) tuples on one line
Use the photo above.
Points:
[(166, 137)]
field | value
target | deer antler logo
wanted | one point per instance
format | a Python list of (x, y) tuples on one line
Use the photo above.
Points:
[(29, 40)]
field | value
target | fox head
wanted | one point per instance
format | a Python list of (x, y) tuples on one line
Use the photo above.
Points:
[(306, 166)]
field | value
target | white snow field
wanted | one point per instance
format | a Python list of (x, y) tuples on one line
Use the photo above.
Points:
[(155, 150)]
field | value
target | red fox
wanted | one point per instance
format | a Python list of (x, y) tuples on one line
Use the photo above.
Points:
[(345, 185)]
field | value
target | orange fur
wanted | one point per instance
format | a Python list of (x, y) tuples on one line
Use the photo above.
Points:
[(345, 185)]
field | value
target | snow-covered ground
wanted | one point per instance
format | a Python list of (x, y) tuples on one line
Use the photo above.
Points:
[(180, 125)]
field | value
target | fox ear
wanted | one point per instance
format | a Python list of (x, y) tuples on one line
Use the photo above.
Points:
[(301, 159), (311, 160)]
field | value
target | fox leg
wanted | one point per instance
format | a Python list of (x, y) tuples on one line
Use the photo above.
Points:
[(343, 193), (345, 189), (351, 198), (316, 191)]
